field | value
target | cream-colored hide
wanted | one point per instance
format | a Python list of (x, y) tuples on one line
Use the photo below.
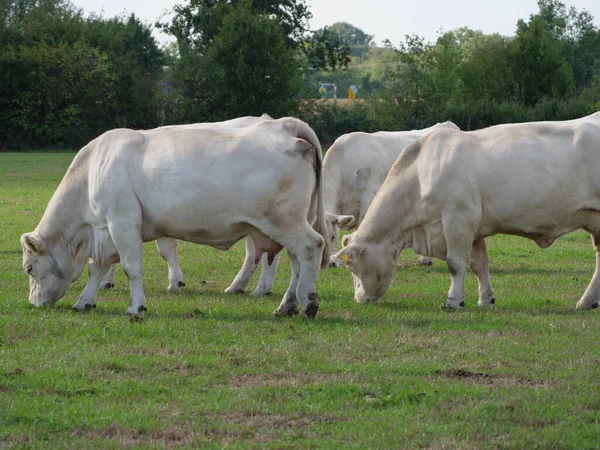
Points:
[(354, 169), (209, 185), (450, 190)]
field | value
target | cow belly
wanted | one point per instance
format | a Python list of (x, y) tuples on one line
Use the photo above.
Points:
[(222, 237)]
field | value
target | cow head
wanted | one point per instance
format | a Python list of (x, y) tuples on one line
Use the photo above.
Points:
[(50, 268), (372, 266), (336, 223)]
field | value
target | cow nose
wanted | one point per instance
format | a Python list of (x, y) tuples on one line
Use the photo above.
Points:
[(333, 263)]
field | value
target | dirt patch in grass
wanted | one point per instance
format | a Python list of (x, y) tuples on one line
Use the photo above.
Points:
[(490, 378), (289, 379), (168, 438), (259, 427)]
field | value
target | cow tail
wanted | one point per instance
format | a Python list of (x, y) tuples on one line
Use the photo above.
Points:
[(316, 210)]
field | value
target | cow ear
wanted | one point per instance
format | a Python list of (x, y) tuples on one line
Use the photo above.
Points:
[(343, 222), (348, 254), (32, 244), (346, 222)]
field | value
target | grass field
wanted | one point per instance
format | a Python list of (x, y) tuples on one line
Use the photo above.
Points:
[(210, 370)]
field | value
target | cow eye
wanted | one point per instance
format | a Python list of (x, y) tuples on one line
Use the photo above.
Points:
[(28, 269)]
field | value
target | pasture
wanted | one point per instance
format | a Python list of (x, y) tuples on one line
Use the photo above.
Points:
[(211, 370)]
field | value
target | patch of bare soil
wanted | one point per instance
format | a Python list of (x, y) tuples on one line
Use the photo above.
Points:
[(260, 427), (490, 378), (127, 437)]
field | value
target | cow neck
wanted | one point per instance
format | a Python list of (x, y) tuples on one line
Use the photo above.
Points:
[(63, 221), (388, 218)]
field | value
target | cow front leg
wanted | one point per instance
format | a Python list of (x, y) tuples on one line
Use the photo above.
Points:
[(167, 247), (248, 268), (289, 304), (109, 279), (267, 275), (459, 236), (480, 266), (88, 296), (129, 245), (591, 296)]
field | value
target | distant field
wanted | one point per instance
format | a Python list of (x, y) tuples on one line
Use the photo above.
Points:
[(210, 370)]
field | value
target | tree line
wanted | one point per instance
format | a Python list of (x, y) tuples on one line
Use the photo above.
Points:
[(66, 78)]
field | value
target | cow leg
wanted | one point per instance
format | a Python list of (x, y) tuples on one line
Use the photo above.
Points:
[(267, 275), (248, 268), (480, 266), (307, 246), (591, 296), (167, 247), (88, 296), (425, 261), (128, 243), (289, 304), (109, 279), (459, 243)]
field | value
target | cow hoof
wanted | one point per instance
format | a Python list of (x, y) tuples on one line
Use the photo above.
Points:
[(311, 310), (107, 286), (583, 306), (449, 306), (257, 292), (133, 313), (234, 290), (84, 307), (173, 289), (287, 311), (181, 283), (493, 301)]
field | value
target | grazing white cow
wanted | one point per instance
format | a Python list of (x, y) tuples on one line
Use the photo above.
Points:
[(209, 185), (450, 190), (167, 247), (354, 169)]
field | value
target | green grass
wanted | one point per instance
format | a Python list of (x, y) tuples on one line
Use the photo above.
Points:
[(206, 369)]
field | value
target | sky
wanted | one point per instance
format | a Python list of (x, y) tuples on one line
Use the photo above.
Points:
[(385, 19)]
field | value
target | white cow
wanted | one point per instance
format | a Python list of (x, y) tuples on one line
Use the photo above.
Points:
[(450, 190), (354, 169), (211, 185), (167, 247)]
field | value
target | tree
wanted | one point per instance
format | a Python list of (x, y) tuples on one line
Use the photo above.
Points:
[(137, 62), (539, 69), (256, 71), (197, 24), (358, 41)]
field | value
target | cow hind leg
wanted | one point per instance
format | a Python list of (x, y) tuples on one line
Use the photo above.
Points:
[(480, 266), (307, 246), (289, 304), (267, 275), (425, 261), (88, 296), (167, 247), (109, 279), (244, 276), (591, 296), (459, 234)]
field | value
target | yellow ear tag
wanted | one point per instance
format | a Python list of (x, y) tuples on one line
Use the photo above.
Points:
[(345, 257)]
